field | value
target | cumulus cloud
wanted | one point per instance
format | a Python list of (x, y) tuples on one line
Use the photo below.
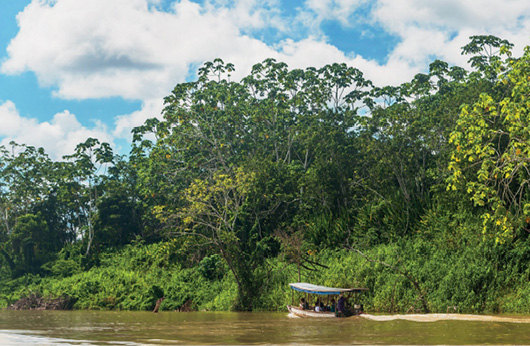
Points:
[(249, 14), (441, 27), (132, 49), (453, 15), (59, 136), (126, 122), (425, 29), (126, 48), (341, 10)]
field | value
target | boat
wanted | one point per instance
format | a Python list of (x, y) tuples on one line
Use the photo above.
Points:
[(324, 291), (295, 310)]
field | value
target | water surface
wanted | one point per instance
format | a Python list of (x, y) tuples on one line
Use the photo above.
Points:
[(209, 328)]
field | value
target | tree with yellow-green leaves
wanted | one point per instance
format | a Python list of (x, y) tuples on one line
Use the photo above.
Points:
[(491, 153), (212, 210)]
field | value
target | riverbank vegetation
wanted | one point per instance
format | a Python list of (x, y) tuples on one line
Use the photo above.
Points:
[(419, 192)]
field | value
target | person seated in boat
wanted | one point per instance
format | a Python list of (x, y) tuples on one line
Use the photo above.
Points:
[(303, 304), (317, 306), (331, 306)]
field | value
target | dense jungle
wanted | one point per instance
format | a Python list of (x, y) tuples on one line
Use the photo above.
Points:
[(419, 192)]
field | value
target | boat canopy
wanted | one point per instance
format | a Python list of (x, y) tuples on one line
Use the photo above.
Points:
[(316, 289)]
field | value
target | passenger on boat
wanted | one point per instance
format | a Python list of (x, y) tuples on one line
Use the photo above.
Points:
[(303, 304), (318, 306), (332, 305), (342, 311), (341, 304)]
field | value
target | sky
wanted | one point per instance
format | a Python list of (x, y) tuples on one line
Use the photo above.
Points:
[(73, 69)]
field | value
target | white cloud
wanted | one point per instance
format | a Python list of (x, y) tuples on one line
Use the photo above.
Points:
[(129, 48), (249, 14), (125, 123), (441, 27), (452, 15), (59, 136), (96, 48), (425, 29), (317, 11), (102, 48)]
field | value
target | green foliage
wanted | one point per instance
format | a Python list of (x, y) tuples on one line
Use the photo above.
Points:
[(471, 275), (65, 268), (491, 146), (211, 267), (419, 192)]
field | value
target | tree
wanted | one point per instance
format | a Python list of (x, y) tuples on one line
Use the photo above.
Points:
[(119, 211), (491, 146), (213, 211), (31, 244), (403, 145), (89, 158), (291, 130), (25, 179), (486, 58)]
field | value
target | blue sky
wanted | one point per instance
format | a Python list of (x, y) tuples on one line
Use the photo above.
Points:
[(72, 69)]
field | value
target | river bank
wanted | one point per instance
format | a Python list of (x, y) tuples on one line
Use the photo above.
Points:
[(135, 278)]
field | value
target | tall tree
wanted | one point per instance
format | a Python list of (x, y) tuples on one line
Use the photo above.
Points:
[(89, 158), (290, 129), (491, 149)]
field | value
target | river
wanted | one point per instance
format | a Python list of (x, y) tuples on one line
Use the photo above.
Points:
[(178, 328)]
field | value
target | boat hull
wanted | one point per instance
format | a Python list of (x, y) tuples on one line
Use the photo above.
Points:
[(309, 313)]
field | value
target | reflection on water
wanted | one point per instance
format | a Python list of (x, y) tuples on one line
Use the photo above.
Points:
[(20, 337), (174, 328)]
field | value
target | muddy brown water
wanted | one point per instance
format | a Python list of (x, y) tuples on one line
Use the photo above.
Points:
[(224, 328)]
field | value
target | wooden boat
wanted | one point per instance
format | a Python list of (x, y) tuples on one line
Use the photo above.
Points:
[(295, 310), (324, 291)]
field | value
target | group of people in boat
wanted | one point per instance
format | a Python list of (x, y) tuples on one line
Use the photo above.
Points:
[(339, 308)]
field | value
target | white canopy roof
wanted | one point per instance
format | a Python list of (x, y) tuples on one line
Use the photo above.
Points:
[(316, 289)]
